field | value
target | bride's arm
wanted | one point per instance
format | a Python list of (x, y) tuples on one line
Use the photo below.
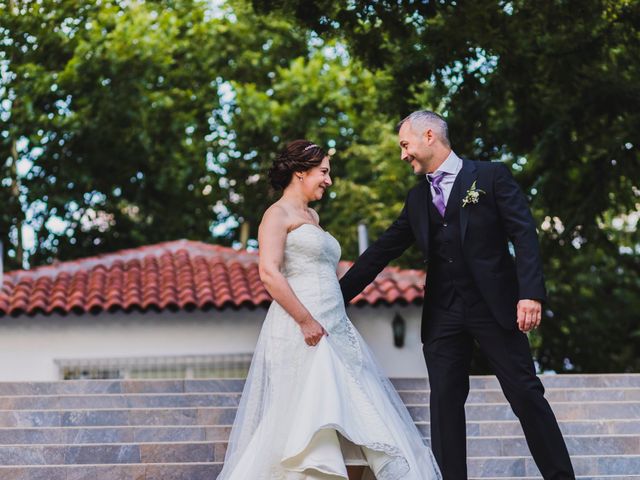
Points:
[(272, 235)]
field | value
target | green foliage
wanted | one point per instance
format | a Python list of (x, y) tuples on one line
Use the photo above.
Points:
[(319, 97), (333, 101), (110, 104), (551, 83), (372, 190), (127, 123), (592, 313), (552, 88)]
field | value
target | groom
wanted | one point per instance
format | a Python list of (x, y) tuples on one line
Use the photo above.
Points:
[(462, 217)]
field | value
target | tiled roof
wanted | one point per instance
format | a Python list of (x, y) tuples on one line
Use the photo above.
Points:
[(174, 275)]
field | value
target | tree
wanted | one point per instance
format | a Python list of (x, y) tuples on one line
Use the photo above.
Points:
[(121, 114), (552, 88), (540, 84), (110, 106), (330, 99), (126, 123)]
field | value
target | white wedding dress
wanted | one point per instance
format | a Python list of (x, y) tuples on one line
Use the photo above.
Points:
[(306, 411)]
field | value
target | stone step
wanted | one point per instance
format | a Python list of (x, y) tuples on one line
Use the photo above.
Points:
[(209, 416), (492, 428), (562, 410), (122, 434), (596, 466), (236, 385), (577, 445), (224, 415), (190, 452), (226, 399), (578, 477), (70, 387), (420, 397), (626, 380), (102, 401), (187, 433), (177, 429), (611, 467), (183, 433), (158, 471), (184, 452)]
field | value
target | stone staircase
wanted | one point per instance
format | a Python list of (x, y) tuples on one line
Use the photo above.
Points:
[(177, 429)]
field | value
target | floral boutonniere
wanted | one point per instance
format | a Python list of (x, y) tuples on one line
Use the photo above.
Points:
[(473, 195)]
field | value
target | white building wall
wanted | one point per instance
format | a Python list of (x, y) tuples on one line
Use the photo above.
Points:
[(374, 324), (29, 345)]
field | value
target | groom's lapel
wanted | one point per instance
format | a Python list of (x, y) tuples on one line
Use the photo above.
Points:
[(468, 175), (424, 198)]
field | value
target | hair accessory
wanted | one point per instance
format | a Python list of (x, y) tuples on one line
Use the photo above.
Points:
[(308, 147)]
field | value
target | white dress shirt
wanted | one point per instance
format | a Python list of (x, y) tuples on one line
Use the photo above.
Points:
[(451, 166)]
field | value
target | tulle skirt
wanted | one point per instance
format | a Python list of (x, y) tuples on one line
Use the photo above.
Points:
[(307, 412)]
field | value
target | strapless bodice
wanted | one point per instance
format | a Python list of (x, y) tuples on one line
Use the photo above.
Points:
[(310, 251)]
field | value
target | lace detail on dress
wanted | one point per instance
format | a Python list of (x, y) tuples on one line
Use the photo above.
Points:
[(396, 468), (343, 335)]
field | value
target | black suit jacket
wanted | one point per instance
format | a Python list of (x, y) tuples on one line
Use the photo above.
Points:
[(501, 214)]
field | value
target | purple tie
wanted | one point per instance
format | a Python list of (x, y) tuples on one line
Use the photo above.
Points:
[(438, 198)]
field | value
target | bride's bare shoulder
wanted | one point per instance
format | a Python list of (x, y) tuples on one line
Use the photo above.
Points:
[(275, 215)]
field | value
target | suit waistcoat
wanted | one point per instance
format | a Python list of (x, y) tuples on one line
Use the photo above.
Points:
[(448, 273)]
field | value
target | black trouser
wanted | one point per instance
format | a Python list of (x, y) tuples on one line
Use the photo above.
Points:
[(448, 342)]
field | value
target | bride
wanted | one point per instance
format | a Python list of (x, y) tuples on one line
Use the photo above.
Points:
[(315, 405)]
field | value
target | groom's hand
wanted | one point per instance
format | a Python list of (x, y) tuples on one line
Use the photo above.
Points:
[(529, 315)]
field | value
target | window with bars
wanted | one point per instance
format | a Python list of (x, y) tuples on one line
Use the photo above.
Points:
[(234, 365)]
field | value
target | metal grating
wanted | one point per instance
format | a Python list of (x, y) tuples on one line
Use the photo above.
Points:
[(234, 365)]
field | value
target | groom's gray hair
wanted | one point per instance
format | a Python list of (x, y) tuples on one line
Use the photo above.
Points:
[(424, 119)]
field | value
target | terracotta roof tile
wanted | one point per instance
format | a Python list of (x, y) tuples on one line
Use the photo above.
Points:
[(174, 275)]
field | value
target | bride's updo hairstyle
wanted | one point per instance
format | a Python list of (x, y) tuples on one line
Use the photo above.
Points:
[(297, 156)]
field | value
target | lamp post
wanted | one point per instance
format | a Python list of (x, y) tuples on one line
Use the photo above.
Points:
[(399, 327), (363, 238)]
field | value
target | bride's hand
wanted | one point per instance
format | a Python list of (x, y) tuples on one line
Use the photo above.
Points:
[(312, 331)]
